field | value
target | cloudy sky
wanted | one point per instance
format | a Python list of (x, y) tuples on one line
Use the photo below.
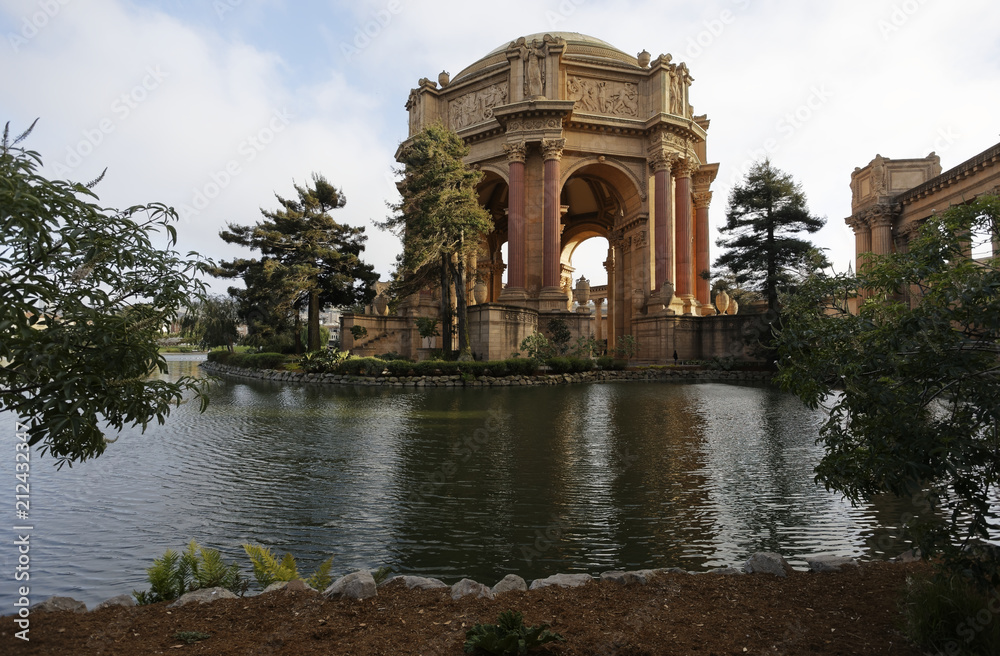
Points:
[(213, 106)]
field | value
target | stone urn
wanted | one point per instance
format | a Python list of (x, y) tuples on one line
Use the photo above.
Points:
[(381, 305), (644, 58), (444, 78), (722, 301), (480, 292), (582, 291), (733, 307)]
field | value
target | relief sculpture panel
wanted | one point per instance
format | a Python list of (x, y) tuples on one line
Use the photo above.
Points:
[(477, 106), (604, 96)]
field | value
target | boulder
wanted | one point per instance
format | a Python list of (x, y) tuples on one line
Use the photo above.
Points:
[(203, 596), (297, 585), (725, 571), (562, 581), (59, 603), (767, 563), (623, 578), (419, 582), (470, 588), (359, 585), (121, 600), (510, 583), (830, 563)]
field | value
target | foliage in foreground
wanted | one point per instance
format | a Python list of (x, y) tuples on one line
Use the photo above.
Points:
[(508, 636), (174, 574), (914, 392), (951, 615), (84, 293), (267, 569)]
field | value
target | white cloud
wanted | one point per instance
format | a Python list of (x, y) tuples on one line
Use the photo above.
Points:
[(216, 83)]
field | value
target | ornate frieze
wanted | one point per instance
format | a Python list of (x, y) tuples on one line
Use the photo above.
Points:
[(611, 97), (477, 106)]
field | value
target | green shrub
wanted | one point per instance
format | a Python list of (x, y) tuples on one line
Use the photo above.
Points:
[(174, 574), (322, 362), (359, 331), (538, 347), (392, 355), (219, 357), (256, 360), (508, 636), (610, 363), (950, 615), (267, 569), (626, 347)]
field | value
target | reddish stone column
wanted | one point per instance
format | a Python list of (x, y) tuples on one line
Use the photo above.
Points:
[(702, 199), (515, 216), (662, 215), (552, 151), (683, 248)]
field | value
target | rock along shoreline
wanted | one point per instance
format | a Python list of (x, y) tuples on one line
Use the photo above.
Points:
[(457, 380), (361, 584)]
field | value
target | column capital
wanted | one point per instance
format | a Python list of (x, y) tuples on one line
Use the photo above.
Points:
[(515, 151), (662, 160), (702, 199), (858, 222), (880, 216), (553, 148), (684, 168)]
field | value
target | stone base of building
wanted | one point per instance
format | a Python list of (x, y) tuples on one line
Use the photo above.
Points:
[(496, 331)]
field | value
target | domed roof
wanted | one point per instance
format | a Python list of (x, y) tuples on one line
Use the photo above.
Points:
[(578, 46)]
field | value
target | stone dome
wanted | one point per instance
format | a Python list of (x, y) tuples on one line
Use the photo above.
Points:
[(578, 46)]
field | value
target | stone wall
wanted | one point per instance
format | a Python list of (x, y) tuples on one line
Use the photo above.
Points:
[(675, 374)]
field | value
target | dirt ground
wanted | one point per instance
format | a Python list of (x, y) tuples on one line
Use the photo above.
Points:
[(852, 612)]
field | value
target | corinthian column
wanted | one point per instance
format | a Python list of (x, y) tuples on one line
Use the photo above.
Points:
[(880, 220), (662, 218), (684, 247), (552, 151), (702, 199), (515, 222)]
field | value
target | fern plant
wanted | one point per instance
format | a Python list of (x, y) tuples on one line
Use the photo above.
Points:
[(267, 569), (174, 574), (508, 637)]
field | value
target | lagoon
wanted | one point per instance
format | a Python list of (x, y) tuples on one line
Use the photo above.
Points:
[(449, 483)]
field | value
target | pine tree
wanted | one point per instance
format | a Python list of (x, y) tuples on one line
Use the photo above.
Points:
[(765, 212), (308, 259), (439, 221)]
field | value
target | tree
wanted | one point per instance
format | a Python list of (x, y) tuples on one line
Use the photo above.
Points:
[(308, 259), (439, 221), (213, 322), (764, 214), (912, 379), (84, 295)]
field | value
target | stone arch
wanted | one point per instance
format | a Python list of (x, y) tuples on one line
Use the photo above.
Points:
[(493, 196), (629, 185)]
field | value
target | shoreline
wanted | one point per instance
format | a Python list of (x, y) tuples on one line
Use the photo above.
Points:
[(457, 380)]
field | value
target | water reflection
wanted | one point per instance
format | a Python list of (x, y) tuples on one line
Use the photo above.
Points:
[(449, 483)]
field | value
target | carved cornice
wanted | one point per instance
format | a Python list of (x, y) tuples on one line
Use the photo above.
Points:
[(553, 148), (515, 151)]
